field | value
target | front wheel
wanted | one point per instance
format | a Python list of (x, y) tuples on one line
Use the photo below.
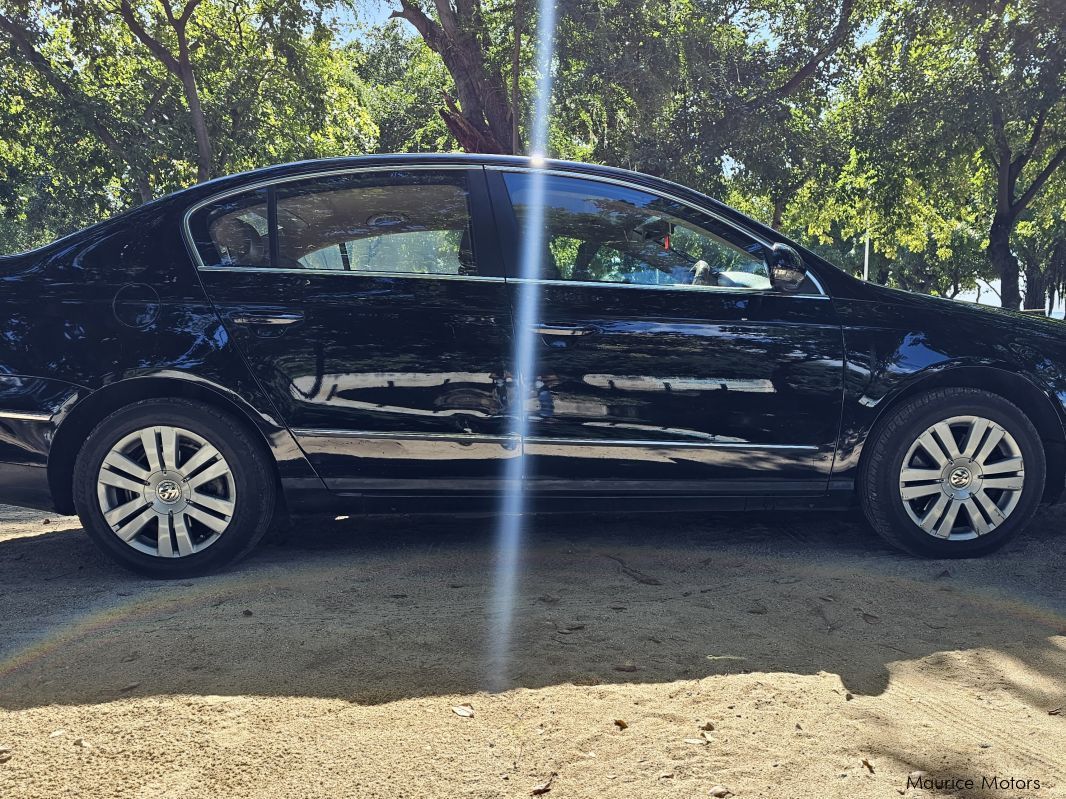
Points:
[(955, 472), (173, 488)]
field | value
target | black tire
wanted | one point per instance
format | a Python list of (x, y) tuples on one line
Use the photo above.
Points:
[(250, 468), (879, 480)]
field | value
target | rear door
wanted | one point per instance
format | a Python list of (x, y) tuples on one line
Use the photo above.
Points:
[(371, 306), (665, 359)]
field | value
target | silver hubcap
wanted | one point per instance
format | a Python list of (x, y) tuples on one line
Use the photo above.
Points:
[(962, 478), (166, 491)]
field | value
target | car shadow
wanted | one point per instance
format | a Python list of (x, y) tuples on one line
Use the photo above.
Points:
[(376, 609)]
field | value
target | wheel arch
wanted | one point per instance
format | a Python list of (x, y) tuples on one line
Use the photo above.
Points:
[(1016, 388), (80, 420)]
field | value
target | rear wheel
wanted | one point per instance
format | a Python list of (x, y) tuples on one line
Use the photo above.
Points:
[(953, 473), (173, 488)]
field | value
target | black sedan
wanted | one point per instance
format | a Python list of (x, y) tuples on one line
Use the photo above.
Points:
[(343, 334)]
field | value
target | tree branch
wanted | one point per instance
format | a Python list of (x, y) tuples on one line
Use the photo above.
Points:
[(1034, 140), (154, 45), (467, 10), (1041, 178), (832, 44), (448, 20), (168, 12), (90, 112), (149, 109), (429, 30), (187, 12)]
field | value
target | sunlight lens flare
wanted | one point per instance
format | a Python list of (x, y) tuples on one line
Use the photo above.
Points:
[(527, 312)]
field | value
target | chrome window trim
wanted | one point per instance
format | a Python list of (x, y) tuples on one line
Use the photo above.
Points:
[(679, 287), (190, 242), (26, 416), (490, 438), (344, 273), (667, 195), (814, 279), (498, 279)]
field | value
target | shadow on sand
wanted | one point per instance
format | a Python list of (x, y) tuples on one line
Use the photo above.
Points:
[(378, 609)]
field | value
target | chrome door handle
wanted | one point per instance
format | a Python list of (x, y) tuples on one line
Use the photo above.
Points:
[(267, 318), (564, 330)]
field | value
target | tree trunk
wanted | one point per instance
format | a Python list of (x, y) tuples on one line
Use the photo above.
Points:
[(1035, 289), (779, 212), (480, 115), (144, 187), (1003, 260), (204, 166)]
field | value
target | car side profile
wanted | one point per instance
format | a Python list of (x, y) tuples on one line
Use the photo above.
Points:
[(340, 335)]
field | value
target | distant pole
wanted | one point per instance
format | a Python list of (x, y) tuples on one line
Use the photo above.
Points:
[(516, 66), (866, 254)]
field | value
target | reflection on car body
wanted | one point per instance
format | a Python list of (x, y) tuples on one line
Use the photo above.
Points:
[(342, 332)]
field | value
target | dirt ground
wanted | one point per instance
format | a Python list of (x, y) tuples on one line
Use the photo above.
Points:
[(328, 666)]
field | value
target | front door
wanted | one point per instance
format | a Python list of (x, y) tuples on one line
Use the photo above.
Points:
[(665, 358), (372, 308)]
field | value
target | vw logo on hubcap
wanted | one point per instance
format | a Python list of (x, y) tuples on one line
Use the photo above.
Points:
[(168, 491), (960, 478)]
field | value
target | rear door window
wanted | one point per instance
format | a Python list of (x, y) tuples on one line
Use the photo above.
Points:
[(417, 223), (413, 222)]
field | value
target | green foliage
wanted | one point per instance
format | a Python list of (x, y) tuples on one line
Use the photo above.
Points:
[(903, 120), (404, 81), (273, 82)]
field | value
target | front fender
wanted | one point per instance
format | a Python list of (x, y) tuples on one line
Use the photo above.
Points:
[(884, 365)]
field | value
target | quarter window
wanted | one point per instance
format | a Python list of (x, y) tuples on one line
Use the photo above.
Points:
[(601, 232), (234, 231)]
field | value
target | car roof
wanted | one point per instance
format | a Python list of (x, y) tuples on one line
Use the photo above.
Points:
[(405, 159), (202, 191)]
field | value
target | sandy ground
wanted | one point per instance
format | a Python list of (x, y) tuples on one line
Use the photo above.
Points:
[(328, 666)]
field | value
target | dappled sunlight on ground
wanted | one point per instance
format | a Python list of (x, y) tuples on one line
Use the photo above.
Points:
[(328, 666)]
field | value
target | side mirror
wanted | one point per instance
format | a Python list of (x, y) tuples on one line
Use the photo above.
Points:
[(787, 271)]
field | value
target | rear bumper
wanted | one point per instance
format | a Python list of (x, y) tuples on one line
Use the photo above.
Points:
[(29, 409), (24, 446)]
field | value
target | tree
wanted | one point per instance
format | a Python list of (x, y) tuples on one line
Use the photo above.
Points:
[(1021, 55), (92, 122), (480, 115), (403, 80), (1039, 243), (701, 92), (26, 29), (999, 67), (179, 64)]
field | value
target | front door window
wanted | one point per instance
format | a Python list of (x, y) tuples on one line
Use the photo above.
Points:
[(604, 233)]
